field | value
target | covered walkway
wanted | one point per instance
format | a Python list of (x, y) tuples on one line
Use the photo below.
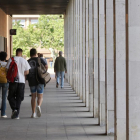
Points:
[(64, 117), (102, 50)]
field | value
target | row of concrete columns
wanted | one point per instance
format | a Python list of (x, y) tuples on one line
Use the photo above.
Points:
[(102, 49)]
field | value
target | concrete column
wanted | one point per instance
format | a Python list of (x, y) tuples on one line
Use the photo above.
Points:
[(76, 39), (75, 77), (87, 53), (96, 57), (102, 62), (110, 66), (78, 45), (91, 54), (70, 41), (74, 43), (134, 69), (65, 40), (68, 49), (84, 46), (81, 46), (120, 71)]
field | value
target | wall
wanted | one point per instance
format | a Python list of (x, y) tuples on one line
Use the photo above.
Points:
[(9, 44), (5, 26)]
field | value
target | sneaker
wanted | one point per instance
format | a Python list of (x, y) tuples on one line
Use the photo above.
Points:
[(4, 116), (16, 118), (33, 115), (38, 111), (57, 85), (14, 115)]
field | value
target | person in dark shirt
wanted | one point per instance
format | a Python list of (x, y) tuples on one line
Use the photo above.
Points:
[(60, 68), (36, 87), (41, 56)]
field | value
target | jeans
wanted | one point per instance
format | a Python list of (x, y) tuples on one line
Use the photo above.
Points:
[(16, 95), (4, 95), (58, 74), (39, 89)]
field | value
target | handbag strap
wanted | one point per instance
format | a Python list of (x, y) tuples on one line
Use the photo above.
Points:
[(39, 61)]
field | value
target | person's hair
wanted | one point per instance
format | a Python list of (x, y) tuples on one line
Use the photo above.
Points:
[(41, 55), (33, 52), (38, 54), (19, 50), (60, 53), (3, 56)]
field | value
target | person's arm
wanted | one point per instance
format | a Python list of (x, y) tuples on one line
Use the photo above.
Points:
[(46, 66), (65, 65), (8, 64), (55, 65), (27, 67), (44, 62), (26, 72)]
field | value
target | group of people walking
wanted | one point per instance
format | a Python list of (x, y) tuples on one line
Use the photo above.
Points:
[(16, 71)]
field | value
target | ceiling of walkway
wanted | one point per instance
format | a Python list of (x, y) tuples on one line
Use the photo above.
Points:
[(34, 6)]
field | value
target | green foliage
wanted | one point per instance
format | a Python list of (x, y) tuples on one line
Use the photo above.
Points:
[(47, 33)]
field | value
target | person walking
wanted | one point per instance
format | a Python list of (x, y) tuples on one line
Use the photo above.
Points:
[(60, 68), (41, 56), (3, 83), (36, 87), (16, 87)]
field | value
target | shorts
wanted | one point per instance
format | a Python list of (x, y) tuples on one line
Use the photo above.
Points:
[(37, 89)]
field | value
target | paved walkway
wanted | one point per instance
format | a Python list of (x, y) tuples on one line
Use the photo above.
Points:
[(64, 117)]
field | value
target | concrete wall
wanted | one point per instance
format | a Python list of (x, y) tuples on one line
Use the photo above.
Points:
[(5, 26)]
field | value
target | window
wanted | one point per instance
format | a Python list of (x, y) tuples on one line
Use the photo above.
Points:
[(22, 22), (13, 21), (34, 21)]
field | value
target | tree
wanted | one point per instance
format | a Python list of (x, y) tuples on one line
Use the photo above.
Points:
[(47, 33)]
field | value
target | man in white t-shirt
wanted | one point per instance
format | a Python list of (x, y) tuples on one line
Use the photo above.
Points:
[(16, 89)]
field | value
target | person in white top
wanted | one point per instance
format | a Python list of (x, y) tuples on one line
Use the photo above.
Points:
[(16, 89), (4, 86)]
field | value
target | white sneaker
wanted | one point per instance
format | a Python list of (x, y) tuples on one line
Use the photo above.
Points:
[(38, 111), (33, 115), (4, 116), (17, 118)]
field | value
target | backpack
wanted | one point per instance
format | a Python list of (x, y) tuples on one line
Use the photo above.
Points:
[(44, 76), (13, 71), (32, 71), (3, 74)]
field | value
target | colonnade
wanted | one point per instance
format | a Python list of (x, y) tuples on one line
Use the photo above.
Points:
[(102, 49)]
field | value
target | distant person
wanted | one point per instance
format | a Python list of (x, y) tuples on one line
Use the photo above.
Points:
[(38, 54), (3, 83), (41, 56), (60, 68), (36, 88), (51, 62), (17, 83)]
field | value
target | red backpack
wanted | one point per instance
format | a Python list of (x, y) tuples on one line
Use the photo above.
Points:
[(13, 71)]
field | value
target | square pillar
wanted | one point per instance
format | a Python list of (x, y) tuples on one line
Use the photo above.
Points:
[(96, 57), (133, 47), (87, 54), (110, 66), (120, 70), (84, 46), (102, 103)]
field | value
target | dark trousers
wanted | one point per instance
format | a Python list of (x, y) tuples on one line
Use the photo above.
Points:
[(16, 95)]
